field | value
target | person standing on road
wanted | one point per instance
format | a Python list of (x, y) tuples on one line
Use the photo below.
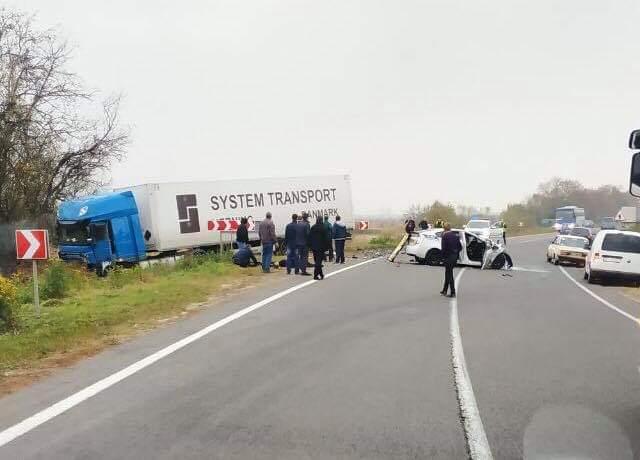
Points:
[(451, 248), (302, 239), (318, 241), (339, 234), (327, 225), (267, 233), (290, 242), (242, 233)]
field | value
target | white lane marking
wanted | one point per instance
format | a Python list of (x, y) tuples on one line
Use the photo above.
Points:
[(60, 407), (600, 299), (523, 269), (474, 430), (531, 241), (538, 236)]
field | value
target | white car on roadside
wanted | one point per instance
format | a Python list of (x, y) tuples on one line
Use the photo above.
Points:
[(425, 247), (485, 229), (614, 254), (566, 248)]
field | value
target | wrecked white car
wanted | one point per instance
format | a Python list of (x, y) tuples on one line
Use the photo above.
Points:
[(425, 247)]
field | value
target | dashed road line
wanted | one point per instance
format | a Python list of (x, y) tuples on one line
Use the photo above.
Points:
[(23, 427), (606, 303), (477, 442)]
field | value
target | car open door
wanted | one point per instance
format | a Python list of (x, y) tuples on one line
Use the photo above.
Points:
[(473, 249)]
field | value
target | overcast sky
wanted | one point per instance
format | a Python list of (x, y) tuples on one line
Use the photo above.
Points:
[(472, 102)]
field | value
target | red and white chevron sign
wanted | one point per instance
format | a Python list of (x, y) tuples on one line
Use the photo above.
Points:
[(363, 225), (32, 244), (227, 225)]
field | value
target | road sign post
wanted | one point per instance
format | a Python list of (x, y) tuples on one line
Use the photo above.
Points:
[(36, 292), (33, 245)]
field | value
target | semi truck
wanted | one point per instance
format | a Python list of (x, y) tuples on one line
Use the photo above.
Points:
[(131, 224)]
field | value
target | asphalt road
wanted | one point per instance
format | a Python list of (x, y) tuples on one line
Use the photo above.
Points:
[(360, 366)]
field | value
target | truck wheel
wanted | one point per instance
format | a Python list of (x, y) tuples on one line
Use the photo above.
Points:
[(433, 257)]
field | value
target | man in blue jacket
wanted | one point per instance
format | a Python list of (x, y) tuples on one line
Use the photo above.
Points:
[(451, 248), (290, 242), (339, 237)]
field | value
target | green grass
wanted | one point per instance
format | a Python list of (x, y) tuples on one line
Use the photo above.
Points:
[(96, 310), (384, 241)]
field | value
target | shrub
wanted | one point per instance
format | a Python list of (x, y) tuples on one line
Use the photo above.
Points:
[(8, 294), (56, 281), (383, 241)]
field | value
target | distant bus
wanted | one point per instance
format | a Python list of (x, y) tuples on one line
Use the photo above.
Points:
[(570, 215)]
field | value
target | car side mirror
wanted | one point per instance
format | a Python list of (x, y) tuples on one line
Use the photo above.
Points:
[(634, 180), (634, 140)]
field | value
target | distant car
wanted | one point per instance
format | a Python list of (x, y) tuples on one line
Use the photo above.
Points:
[(588, 223), (608, 223), (483, 228), (583, 232), (565, 248), (614, 254), (477, 251)]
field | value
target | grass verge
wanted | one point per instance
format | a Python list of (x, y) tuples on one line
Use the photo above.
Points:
[(98, 312)]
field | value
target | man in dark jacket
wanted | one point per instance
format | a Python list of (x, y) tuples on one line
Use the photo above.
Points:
[(242, 234), (302, 239), (327, 225), (339, 238), (410, 226), (451, 248), (318, 241), (290, 242), (424, 225)]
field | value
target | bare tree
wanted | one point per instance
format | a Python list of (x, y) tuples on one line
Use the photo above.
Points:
[(49, 151)]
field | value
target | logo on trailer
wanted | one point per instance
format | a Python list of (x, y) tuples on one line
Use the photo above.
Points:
[(188, 213)]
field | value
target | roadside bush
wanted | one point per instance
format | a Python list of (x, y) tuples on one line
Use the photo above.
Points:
[(8, 292), (383, 241), (56, 281)]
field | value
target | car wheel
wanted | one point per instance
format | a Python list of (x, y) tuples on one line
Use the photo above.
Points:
[(498, 262), (433, 257), (420, 260), (548, 258), (556, 261), (591, 279)]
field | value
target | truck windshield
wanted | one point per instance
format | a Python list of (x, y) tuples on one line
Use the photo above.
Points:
[(73, 232)]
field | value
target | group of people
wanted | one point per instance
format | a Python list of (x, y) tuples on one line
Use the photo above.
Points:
[(300, 238)]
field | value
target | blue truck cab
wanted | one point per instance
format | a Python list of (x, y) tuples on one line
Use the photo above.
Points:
[(100, 230)]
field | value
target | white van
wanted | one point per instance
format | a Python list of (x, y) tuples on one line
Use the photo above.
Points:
[(615, 255)]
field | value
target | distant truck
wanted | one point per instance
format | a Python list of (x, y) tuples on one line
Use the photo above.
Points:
[(572, 216), (131, 224)]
